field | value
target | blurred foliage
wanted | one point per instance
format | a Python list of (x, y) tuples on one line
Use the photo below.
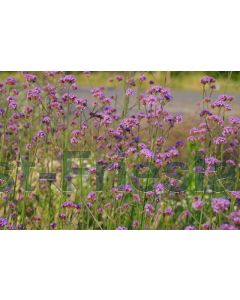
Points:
[(228, 81)]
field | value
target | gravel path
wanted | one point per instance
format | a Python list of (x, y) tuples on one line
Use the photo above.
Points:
[(184, 102)]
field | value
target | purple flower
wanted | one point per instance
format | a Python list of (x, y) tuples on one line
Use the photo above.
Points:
[(149, 100), (168, 211), (221, 104), (197, 204), (135, 224), (34, 94), (163, 93), (205, 226), (41, 134), (127, 188), (219, 140), (205, 112), (119, 196), (73, 140), (236, 194), (68, 79), (149, 208), (3, 222), (159, 188), (149, 194), (28, 146), (92, 196), (227, 227), (53, 225), (190, 227), (62, 216), (92, 170), (235, 217), (11, 81), (119, 78), (207, 79), (230, 162), (70, 204), (227, 130), (12, 105), (179, 144), (89, 204), (46, 120), (220, 205), (121, 228), (2, 111), (130, 92), (211, 161), (225, 98), (136, 198), (234, 120), (142, 78), (30, 77), (147, 153)]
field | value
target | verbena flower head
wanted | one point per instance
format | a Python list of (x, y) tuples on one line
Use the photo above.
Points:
[(119, 77), (220, 205), (46, 120), (11, 81), (236, 194), (149, 207), (159, 188), (219, 140), (30, 77), (121, 228), (197, 204), (142, 77), (74, 140), (162, 92), (234, 217), (148, 154), (168, 211), (227, 130), (211, 161), (190, 227), (227, 227), (92, 196), (68, 79), (53, 225), (130, 92), (234, 120), (70, 204), (41, 134), (3, 222), (207, 79), (34, 94)]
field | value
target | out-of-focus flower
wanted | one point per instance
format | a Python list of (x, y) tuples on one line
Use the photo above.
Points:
[(234, 217), (207, 79), (130, 92), (197, 204), (11, 81), (227, 227), (121, 228), (3, 222), (220, 205), (30, 77), (190, 227)]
